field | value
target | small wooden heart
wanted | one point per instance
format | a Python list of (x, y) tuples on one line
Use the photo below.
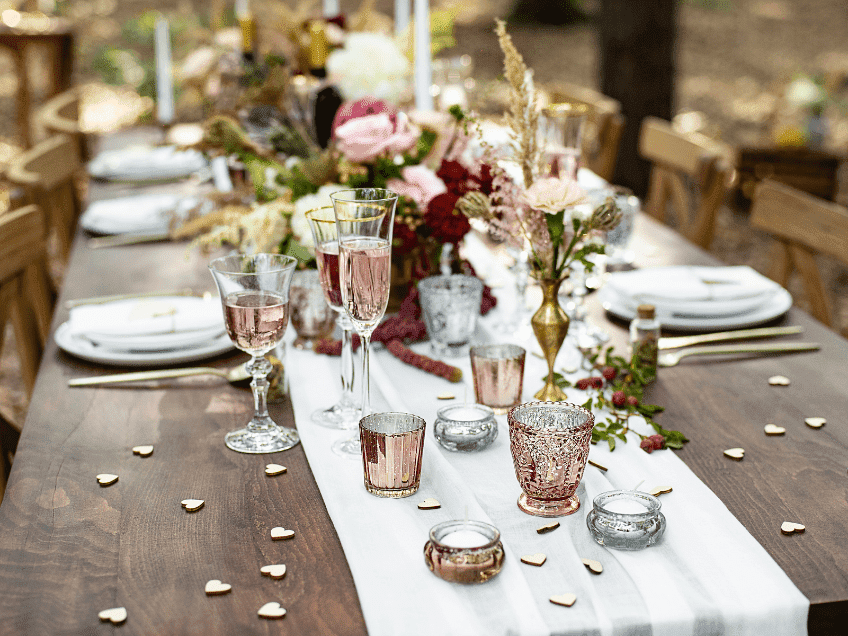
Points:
[(815, 422), (445, 396), (548, 527), (570, 369), (773, 429), (594, 567), (779, 380), (274, 571), (144, 451), (429, 504), (274, 469), (272, 610), (598, 466), (280, 533), (115, 614), (566, 600), (192, 505), (660, 490), (789, 527), (735, 453), (215, 586), (105, 479), (537, 559)]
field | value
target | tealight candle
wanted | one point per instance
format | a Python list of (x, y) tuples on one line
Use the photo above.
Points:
[(625, 507), (626, 519), (465, 427), (464, 551)]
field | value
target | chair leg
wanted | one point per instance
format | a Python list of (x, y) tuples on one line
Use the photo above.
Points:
[(9, 436)]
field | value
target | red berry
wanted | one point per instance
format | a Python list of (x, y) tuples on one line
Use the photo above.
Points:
[(618, 398), (597, 382), (658, 441), (632, 401), (583, 384), (609, 373), (646, 445)]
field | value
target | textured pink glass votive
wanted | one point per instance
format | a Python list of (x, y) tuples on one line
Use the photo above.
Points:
[(498, 372), (549, 442)]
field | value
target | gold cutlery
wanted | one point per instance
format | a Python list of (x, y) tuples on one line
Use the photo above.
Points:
[(743, 334), (118, 240), (234, 374), (671, 358), (99, 300)]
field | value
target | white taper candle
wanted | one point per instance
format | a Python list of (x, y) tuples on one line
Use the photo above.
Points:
[(401, 16), (423, 62), (164, 77), (331, 8)]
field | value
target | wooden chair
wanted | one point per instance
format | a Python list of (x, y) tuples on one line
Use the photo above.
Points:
[(691, 172), (59, 115), (803, 226), (24, 301), (47, 174), (604, 126)]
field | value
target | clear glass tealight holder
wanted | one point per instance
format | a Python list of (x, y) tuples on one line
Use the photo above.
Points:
[(464, 551), (465, 427), (626, 519)]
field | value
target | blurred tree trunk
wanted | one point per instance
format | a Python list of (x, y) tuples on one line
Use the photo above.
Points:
[(637, 51), (554, 12)]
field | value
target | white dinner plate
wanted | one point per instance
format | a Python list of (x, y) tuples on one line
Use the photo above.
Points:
[(774, 306), (156, 342), (146, 163), (143, 214), (87, 350)]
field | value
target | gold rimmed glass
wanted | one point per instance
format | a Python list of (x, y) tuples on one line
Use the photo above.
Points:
[(563, 125)]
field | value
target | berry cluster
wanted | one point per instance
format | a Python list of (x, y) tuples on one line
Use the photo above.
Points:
[(652, 443)]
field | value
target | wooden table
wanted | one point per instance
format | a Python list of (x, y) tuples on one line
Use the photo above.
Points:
[(70, 548)]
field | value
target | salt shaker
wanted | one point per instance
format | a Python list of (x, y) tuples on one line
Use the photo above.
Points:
[(644, 340)]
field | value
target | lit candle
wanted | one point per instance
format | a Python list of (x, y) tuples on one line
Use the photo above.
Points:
[(164, 78), (625, 507), (331, 8), (467, 413), (423, 61), (401, 16), (464, 539)]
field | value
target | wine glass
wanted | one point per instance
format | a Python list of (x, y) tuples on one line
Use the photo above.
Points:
[(254, 294), (322, 222), (364, 220)]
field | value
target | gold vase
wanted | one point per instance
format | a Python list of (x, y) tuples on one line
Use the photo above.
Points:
[(550, 324)]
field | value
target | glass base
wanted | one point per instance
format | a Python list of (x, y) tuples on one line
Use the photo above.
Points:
[(450, 350), (338, 417), (549, 508), (391, 493), (349, 448), (269, 439)]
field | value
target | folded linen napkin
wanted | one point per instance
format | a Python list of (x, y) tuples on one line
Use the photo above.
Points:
[(146, 163), (150, 213), (693, 290)]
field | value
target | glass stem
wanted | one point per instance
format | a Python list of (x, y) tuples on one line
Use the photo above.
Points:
[(366, 374), (347, 365), (259, 368)]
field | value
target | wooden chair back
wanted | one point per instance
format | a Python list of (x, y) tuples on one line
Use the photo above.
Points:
[(47, 174), (691, 173), (59, 115), (803, 226), (24, 296), (604, 125)]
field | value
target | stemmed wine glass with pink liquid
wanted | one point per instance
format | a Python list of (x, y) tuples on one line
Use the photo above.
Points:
[(364, 221), (254, 293)]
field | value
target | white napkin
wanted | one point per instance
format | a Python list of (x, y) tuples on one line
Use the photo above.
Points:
[(146, 163), (143, 214), (150, 323), (693, 291)]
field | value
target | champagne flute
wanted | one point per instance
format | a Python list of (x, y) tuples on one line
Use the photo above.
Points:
[(364, 221), (254, 294), (322, 222)]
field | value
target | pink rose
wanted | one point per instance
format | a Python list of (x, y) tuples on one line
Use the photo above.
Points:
[(365, 138), (419, 183), (553, 194), (362, 108)]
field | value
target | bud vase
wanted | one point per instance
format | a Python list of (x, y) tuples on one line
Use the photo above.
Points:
[(550, 324)]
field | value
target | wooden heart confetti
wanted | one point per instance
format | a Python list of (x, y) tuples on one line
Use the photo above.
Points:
[(279, 533), (115, 614), (192, 505), (215, 587), (144, 451), (598, 466), (735, 453), (105, 479), (272, 610), (274, 571), (815, 422), (537, 559), (779, 380), (593, 566), (773, 429), (566, 600), (548, 527), (789, 527), (445, 396), (570, 369), (660, 490), (274, 469), (429, 504)]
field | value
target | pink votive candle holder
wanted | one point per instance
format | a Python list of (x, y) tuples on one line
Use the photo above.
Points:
[(392, 445), (498, 372), (464, 551)]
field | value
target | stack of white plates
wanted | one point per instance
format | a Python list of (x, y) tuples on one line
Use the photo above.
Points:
[(140, 214), (145, 163), (140, 332), (691, 298)]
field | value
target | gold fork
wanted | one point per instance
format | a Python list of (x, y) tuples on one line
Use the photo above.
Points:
[(671, 358)]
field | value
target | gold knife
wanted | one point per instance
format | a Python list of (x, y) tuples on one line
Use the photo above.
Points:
[(118, 240), (724, 336)]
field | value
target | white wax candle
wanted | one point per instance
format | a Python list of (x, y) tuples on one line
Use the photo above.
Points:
[(221, 175), (331, 8), (466, 414), (401, 16), (625, 507), (464, 539), (242, 8), (164, 77), (423, 61)]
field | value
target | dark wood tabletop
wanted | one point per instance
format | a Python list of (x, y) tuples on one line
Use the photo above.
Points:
[(70, 548)]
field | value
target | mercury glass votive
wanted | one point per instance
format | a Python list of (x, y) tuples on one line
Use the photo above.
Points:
[(626, 519), (450, 306), (392, 445), (464, 551), (311, 316), (465, 427), (549, 442), (498, 373)]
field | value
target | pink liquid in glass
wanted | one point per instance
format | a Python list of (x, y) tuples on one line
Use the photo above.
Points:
[(365, 272), (392, 462), (256, 321), (327, 256)]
